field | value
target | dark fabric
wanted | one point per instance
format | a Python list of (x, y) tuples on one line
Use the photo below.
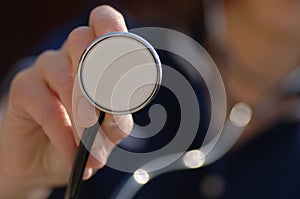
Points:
[(267, 167)]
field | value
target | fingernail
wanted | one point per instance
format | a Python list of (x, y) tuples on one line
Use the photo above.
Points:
[(85, 113), (88, 172), (99, 154)]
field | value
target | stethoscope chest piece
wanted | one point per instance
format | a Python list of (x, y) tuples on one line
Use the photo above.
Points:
[(119, 73)]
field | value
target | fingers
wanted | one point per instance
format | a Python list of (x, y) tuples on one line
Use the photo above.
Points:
[(112, 131), (48, 93), (56, 72), (78, 40), (32, 100), (104, 19), (117, 127), (45, 104), (59, 69), (84, 111)]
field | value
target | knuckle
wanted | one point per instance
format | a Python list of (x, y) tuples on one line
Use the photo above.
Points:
[(77, 41), (18, 84), (19, 92), (78, 33), (44, 57), (55, 69), (18, 79), (42, 61)]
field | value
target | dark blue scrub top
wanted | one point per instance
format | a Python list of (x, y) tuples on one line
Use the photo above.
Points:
[(266, 167)]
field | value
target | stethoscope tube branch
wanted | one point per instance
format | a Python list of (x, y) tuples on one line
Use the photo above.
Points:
[(86, 143)]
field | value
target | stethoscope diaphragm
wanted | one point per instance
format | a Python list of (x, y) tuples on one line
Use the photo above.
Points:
[(119, 73)]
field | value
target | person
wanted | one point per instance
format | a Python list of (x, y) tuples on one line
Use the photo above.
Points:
[(36, 139)]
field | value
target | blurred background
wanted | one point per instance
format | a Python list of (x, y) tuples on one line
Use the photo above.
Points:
[(264, 39), (28, 26)]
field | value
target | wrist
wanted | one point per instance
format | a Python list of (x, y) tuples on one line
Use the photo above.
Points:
[(22, 189), (15, 186)]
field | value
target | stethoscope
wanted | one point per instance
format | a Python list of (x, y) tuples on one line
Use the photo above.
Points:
[(238, 119), (112, 77), (119, 73)]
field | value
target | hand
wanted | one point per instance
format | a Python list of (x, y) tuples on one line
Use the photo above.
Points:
[(38, 138)]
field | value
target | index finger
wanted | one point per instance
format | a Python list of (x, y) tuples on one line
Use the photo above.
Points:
[(102, 20)]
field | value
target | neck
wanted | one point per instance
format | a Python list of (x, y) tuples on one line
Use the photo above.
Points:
[(259, 58)]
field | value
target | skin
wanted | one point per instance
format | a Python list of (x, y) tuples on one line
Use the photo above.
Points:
[(264, 39), (264, 47), (38, 138), (38, 143)]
